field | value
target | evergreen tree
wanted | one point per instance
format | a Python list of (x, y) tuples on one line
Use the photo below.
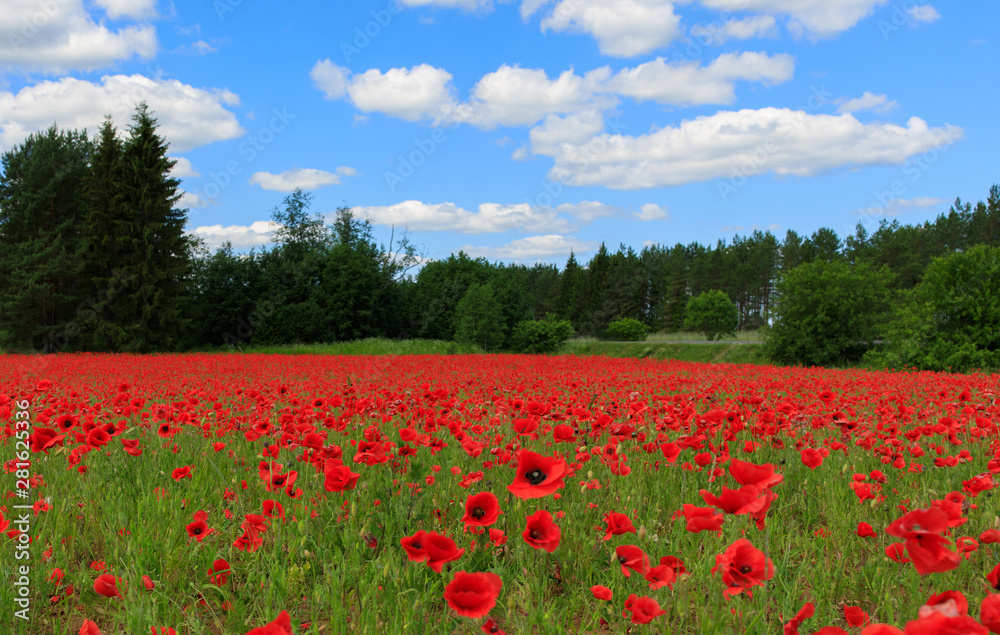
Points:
[(152, 251), (41, 238)]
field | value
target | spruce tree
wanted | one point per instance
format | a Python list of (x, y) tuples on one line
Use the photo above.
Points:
[(40, 239), (152, 251)]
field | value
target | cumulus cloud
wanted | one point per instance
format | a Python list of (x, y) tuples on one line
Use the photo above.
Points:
[(691, 83), (515, 96), (305, 178), (589, 211), (188, 117), (241, 236), (758, 26), (63, 36), (622, 28), (490, 217), (923, 13), (412, 94), (574, 129), (867, 101), (818, 18), (569, 104), (128, 8), (183, 168), (533, 248), (747, 142), (652, 211), (189, 200)]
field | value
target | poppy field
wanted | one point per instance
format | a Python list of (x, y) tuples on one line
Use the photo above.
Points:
[(270, 495)]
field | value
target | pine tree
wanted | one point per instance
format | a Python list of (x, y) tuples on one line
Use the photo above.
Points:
[(40, 238), (152, 252)]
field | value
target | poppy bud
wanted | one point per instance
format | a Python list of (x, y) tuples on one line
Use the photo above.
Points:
[(642, 532)]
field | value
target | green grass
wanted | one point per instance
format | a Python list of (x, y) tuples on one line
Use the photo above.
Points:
[(711, 353), (370, 346)]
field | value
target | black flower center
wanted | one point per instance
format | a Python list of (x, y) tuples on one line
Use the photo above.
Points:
[(416, 545), (746, 568), (478, 512), (622, 559), (196, 531), (536, 477), (534, 534)]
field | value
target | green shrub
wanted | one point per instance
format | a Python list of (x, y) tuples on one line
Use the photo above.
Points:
[(626, 330), (540, 336), (713, 314)]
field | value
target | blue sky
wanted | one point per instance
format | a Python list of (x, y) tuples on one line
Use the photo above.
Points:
[(520, 130)]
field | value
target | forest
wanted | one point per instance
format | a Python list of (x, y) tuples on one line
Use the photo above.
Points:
[(95, 258)]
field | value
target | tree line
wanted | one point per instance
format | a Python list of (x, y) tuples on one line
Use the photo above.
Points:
[(95, 258)]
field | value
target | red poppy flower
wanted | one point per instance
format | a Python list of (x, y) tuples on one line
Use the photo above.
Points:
[(792, 626), (281, 625), (950, 603), (855, 616), (632, 558), (538, 475), (940, 624), (989, 536), (762, 476), (604, 593), (660, 576), (182, 472), (473, 594), (618, 524), (743, 567), (338, 477), (989, 612), (644, 609), (219, 572), (199, 528), (481, 510), (440, 549), (148, 583), (921, 530), (274, 509), (497, 537), (865, 530), (897, 551), (107, 585), (812, 458), (415, 546), (540, 532), (98, 437), (701, 519), (44, 438), (745, 500), (89, 628)]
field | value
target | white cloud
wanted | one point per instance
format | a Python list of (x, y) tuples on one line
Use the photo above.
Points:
[(188, 117), (691, 83), (410, 94), (896, 206), (589, 211), (61, 35), (128, 8), (746, 142), (758, 26), (867, 101), (490, 217), (333, 80), (652, 211), (515, 96), (201, 47), (305, 178), (530, 7), (623, 28), (923, 13), (183, 168), (819, 18), (241, 236), (574, 129), (189, 200), (533, 248)]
